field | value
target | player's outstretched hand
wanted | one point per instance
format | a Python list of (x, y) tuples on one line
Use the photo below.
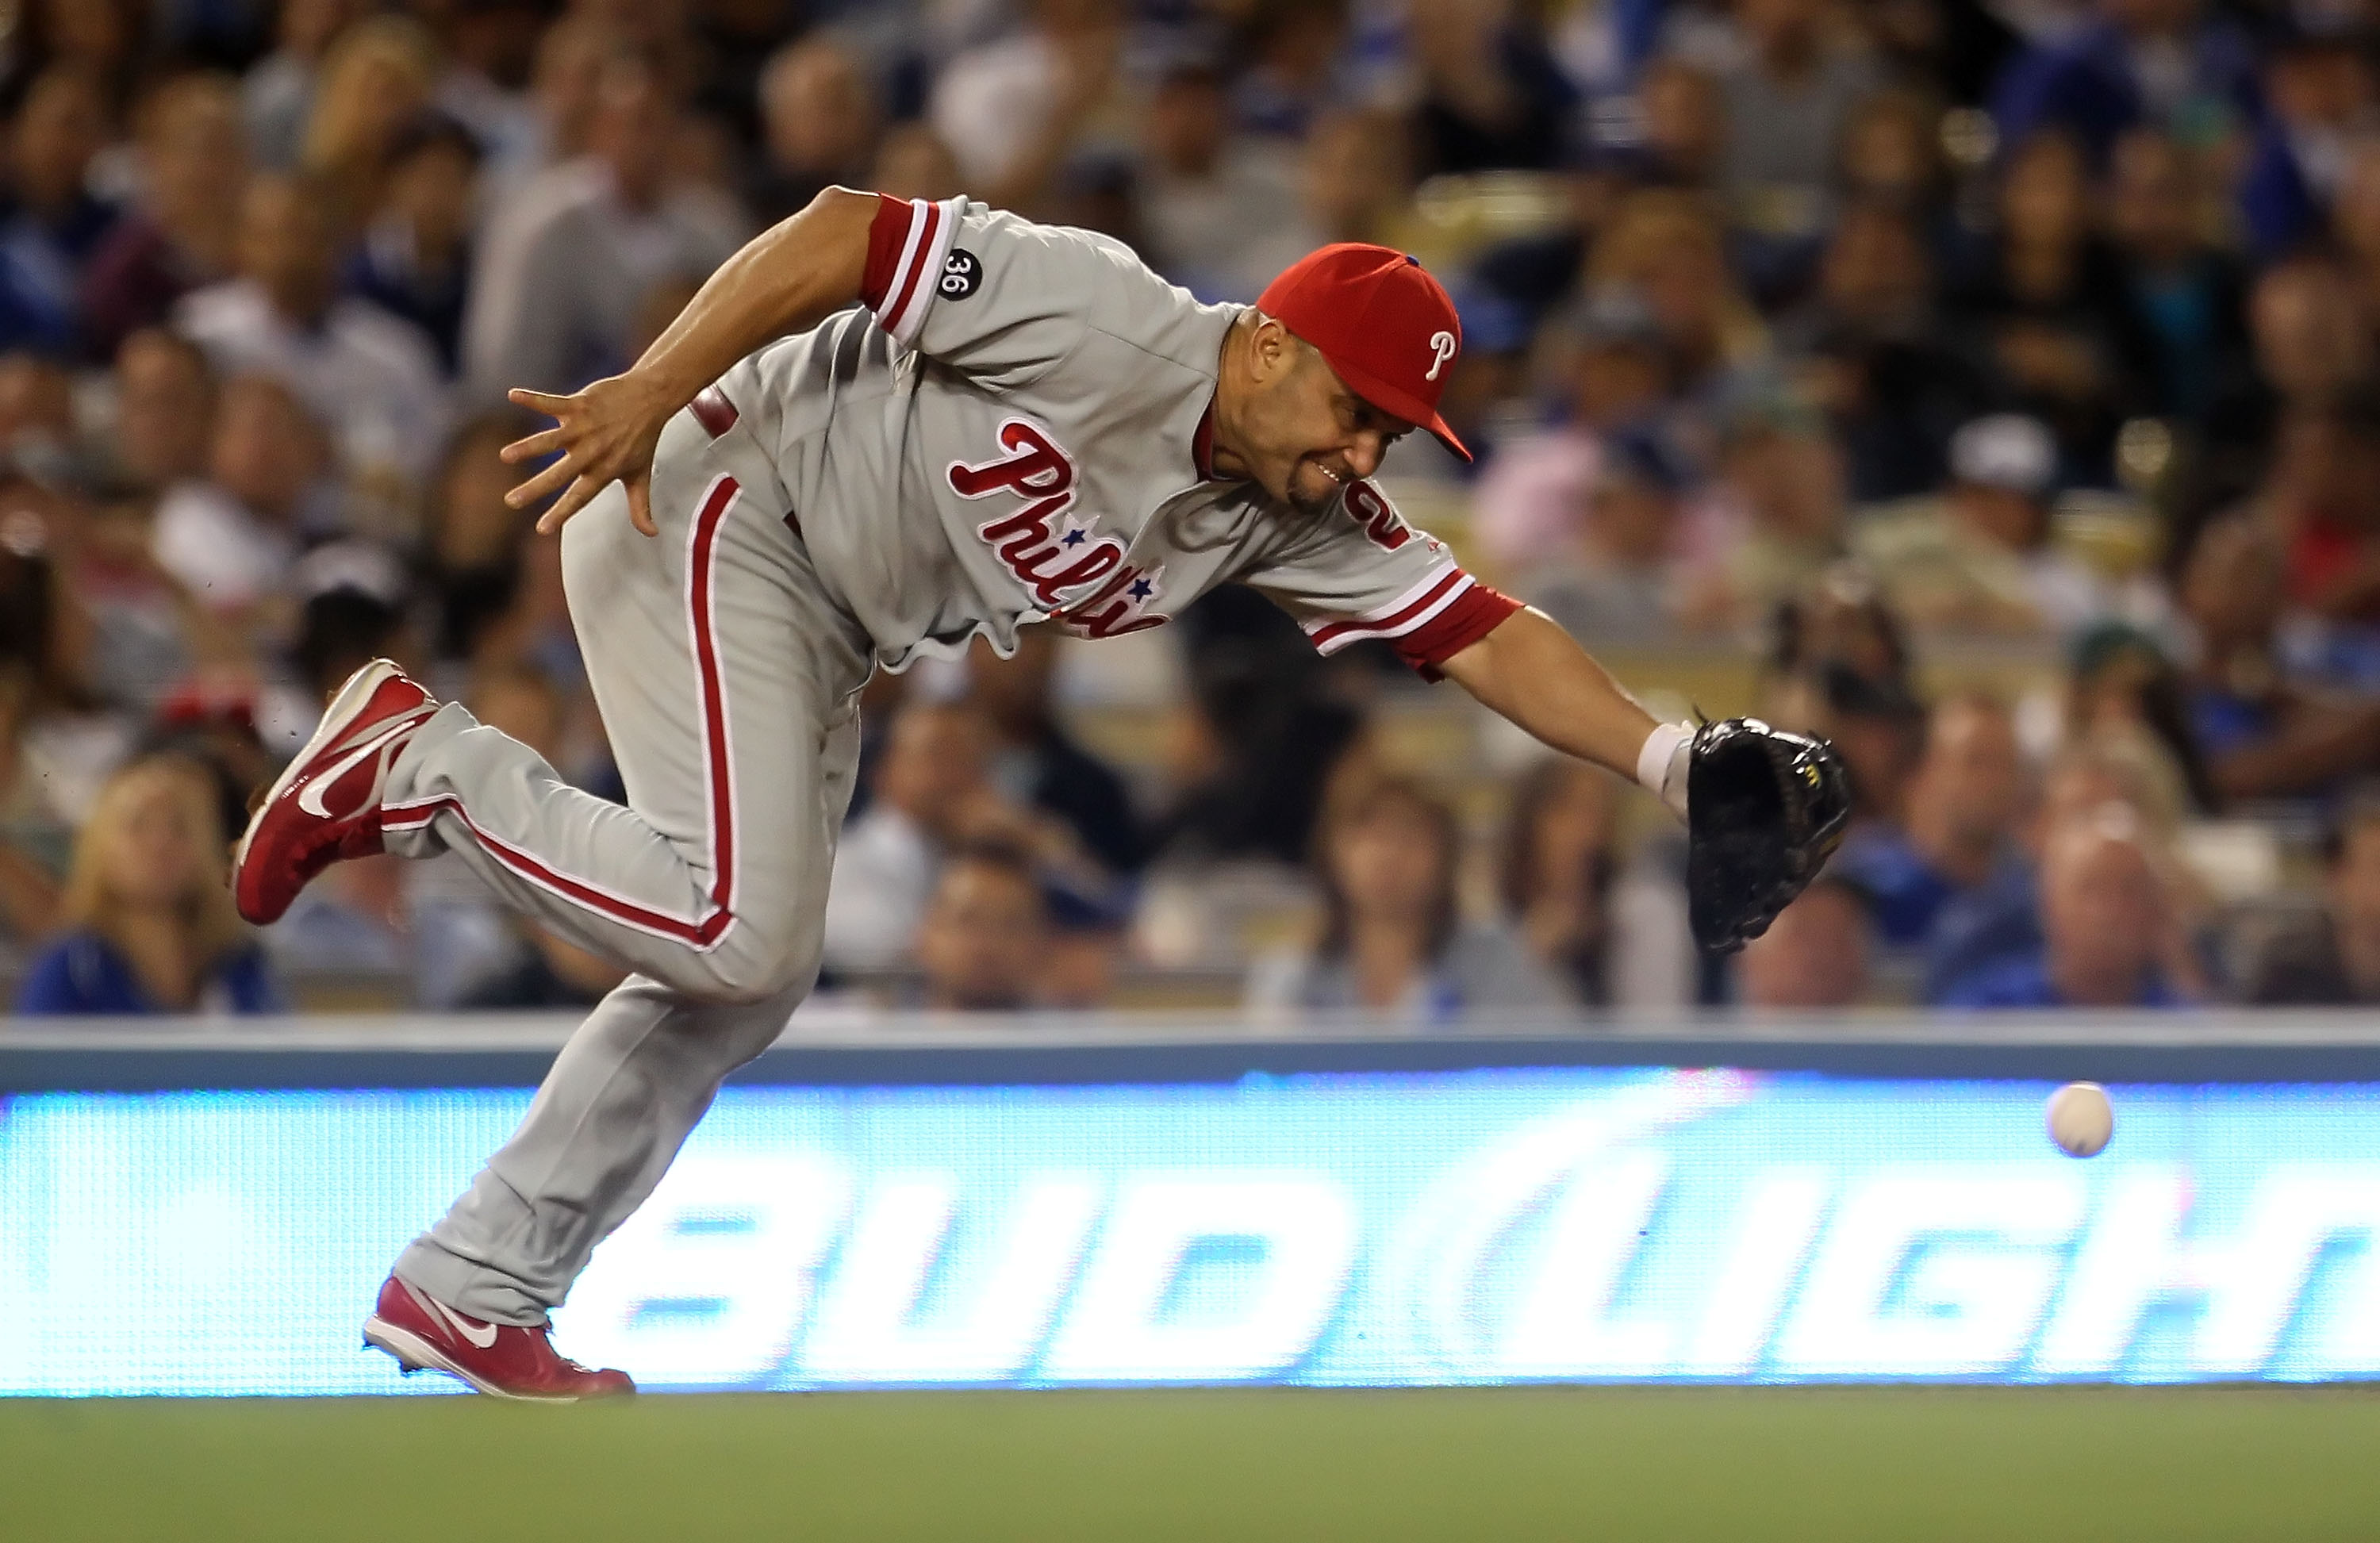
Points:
[(605, 434)]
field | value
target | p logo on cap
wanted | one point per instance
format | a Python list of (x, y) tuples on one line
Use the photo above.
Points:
[(1387, 327)]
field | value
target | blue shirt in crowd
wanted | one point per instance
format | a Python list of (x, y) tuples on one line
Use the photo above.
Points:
[(83, 972), (1904, 893), (2026, 983), (1998, 920)]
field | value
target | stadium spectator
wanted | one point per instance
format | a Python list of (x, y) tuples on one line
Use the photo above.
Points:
[(1532, 501), (133, 628), (1891, 158), (34, 838), (488, 51), (1490, 95), (1787, 98), (1999, 921), (230, 539), (110, 41), (414, 260), (1393, 937), (1250, 748), (2123, 686), (2312, 339), (2321, 99), (2322, 497), (1016, 109), (2048, 310), (1956, 831), (472, 546), (2331, 957), (1620, 581), (276, 95), (1815, 955), (914, 163), (1771, 520), (1221, 210), (2108, 928), (819, 122), (371, 377), (1038, 763), (164, 412), (1558, 872), (1663, 245), (566, 263), (1296, 65), (2166, 63), (2261, 734), (2355, 223), (377, 78), (928, 780), (1871, 352), (1355, 177), (1877, 724), (37, 421), (352, 613), (185, 230), (1686, 127), (1979, 557), (51, 222), (984, 934), (148, 918), (565, 91), (2187, 295)]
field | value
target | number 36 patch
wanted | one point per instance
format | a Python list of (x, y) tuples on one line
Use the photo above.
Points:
[(962, 273)]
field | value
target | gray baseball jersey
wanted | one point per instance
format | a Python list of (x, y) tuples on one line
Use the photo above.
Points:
[(1019, 433)]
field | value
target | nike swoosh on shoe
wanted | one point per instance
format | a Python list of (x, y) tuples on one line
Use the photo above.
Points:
[(482, 1336), (309, 797)]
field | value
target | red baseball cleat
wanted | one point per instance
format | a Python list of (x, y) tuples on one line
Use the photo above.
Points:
[(327, 805), (502, 1359)]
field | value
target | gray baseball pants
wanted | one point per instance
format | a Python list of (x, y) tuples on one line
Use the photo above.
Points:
[(727, 677)]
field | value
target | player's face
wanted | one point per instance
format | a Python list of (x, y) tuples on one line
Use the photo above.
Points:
[(1321, 436)]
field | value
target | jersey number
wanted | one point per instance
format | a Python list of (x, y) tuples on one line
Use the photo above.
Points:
[(1377, 517), (962, 273)]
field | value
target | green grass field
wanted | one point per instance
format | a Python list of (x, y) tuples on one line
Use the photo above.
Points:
[(1487, 1464)]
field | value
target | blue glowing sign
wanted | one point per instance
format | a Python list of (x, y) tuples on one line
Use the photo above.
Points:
[(1486, 1226)]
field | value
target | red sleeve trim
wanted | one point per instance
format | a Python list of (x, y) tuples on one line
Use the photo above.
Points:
[(1408, 613), (1477, 612), (886, 235)]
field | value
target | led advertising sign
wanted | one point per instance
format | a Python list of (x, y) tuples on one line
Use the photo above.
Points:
[(1374, 1229)]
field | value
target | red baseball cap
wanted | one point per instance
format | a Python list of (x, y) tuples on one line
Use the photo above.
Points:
[(1387, 327)]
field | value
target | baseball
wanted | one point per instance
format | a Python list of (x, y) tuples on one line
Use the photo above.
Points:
[(2080, 1119)]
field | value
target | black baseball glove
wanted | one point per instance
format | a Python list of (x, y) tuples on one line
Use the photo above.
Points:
[(1764, 811)]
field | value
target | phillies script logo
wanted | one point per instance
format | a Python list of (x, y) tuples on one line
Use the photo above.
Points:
[(1053, 553)]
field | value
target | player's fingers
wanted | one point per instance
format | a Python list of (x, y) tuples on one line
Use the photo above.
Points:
[(529, 447), (573, 500), (545, 483), (539, 401), (640, 505)]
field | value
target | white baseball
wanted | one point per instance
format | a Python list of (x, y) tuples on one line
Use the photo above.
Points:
[(2080, 1119)]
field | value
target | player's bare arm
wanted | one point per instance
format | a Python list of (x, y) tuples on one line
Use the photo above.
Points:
[(1535, 674), (1764, 808), (788, 277)]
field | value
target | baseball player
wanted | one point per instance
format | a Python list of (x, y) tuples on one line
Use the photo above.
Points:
[(883, 429)]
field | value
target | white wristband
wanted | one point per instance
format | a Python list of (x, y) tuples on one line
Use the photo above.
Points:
[(1655, 761)]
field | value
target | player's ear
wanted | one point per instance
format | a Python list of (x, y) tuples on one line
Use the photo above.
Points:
[(1272, 352)]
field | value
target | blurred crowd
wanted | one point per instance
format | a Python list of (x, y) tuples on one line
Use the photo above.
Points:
[(1993, 382)]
